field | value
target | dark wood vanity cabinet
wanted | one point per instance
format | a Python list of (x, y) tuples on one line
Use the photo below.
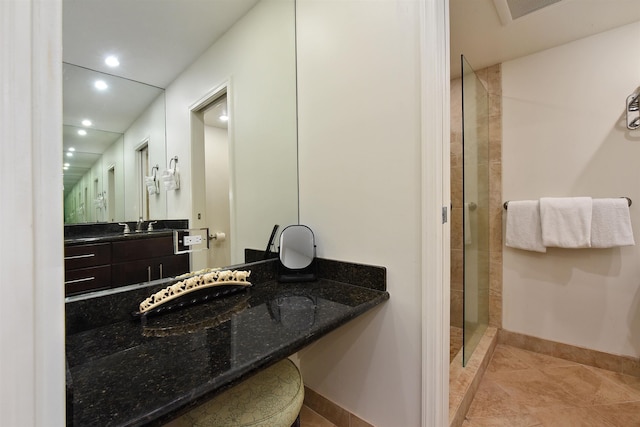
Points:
[(87, 267), (143, 260), (107, 265)]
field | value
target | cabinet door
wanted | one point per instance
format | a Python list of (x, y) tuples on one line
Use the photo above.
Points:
[(172, 266), (145, 248), (144, 270), (127, 273)]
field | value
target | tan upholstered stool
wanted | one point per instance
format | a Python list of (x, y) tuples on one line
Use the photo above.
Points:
[(270, 398)]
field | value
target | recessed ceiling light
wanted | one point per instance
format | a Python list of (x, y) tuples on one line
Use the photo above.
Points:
[(86, 122), (112, 61), (82, 132), (67, 165), (224, 117), (69, 154), (65, 168), (71, 149), (100, 85)]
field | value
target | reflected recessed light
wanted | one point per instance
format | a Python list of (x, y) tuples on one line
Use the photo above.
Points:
[(224, 117), (86, 122), (82, 132), (100, 85), (65, 168), (69, 154), (111, 61), (71, 149), (67, 165)]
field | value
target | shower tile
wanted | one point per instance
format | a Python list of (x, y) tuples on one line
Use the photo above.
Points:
[(524, 388), (572, 417), (508, 421), (494, 79), (491, 400), (457, 271), (621, 414), (586, 387)]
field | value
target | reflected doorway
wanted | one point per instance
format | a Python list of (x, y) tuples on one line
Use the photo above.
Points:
[(217, 183)]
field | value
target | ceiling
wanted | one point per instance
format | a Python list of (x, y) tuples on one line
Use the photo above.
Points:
[(155, 42), (478, 33)]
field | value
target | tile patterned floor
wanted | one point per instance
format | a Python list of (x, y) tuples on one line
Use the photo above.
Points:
[(309, 418), (526, 389)]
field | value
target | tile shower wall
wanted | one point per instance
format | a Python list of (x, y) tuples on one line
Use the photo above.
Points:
[(492, 78)]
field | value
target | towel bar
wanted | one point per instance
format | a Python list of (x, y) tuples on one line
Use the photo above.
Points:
[(505, 205)]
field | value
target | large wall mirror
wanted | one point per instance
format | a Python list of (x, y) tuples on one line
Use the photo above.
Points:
[(182, 64)]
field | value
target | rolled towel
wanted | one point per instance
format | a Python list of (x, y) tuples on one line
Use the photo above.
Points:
[(152, 184), (170, 179), (523, 226), (611, 223), (566, 221)]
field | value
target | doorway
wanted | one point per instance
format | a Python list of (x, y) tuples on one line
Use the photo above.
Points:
[(210, 131)]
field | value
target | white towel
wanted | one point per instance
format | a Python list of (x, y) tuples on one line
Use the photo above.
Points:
[(152, 185), (566, 221), (523, 226), (171, 179), (611, 223)]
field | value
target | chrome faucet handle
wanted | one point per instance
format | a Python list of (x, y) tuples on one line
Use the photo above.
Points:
[(126, 227), (150, 227), (139, 225)]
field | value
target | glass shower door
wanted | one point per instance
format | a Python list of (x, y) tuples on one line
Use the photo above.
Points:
[(475, 176)]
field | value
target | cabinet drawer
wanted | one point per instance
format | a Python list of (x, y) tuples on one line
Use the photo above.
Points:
[(136, 249), (86, 279), (86, 255)]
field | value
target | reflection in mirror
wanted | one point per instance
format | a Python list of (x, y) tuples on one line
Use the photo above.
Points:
[(109, 124), (246, 47)]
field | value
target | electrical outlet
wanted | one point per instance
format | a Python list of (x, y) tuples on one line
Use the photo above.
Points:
[(192, 240)]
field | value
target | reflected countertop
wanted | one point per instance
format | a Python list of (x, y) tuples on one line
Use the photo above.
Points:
[(82, 234), (145, 371)]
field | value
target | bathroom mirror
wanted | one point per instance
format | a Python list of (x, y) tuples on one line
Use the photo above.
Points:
[(105, 159), (257, 147), (297, 254)]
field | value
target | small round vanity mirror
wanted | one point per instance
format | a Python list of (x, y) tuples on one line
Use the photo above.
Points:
[(297, 247)]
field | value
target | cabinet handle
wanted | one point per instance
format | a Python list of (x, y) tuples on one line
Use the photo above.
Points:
[(85, 279), (80, 256), (149, 273), (161, 271)]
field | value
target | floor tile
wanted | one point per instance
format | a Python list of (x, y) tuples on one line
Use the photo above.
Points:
[(309, 418), (526, 389)]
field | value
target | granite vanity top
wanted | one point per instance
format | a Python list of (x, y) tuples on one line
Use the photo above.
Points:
[(134, 371)]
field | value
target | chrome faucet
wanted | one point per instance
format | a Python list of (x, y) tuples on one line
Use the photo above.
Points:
[(126, 227), (139, 225)]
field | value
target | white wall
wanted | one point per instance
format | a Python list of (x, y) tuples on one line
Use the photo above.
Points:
[(149, 128), (32, 362), (360, 175), (257, 57), (564, 134)]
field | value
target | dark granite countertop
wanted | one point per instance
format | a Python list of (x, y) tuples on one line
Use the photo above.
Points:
[(132, 372), (79, 234), (114, 237)]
